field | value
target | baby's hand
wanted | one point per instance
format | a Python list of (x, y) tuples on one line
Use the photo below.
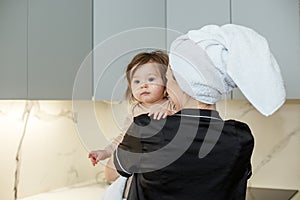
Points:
[(159, 112), (96, 156)]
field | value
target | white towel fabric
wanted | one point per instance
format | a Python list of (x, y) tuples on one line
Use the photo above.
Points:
[(240, 56), (194, 71), (115, 190)]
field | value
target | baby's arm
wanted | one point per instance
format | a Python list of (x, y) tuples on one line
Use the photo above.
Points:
[(97, 155), (102, 154)]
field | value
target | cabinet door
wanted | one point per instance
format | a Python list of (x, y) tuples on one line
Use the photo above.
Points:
[(278, 22), (120, 33), (59, 39), (13, 49), (188, 15), (183, 16)]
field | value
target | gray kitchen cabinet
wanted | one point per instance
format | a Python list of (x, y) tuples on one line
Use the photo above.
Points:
[(43, 44), (59, 40), (278, 22), (183, 16), (121, 30), (13, 49)]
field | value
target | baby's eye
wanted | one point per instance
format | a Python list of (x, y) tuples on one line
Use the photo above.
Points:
[(151, 79), (136, 81)]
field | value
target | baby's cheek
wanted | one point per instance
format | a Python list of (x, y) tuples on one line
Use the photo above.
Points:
[(157, 84), (158, 89), (135, 94)]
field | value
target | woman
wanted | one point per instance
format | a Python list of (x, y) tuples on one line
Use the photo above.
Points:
[(193, 154)]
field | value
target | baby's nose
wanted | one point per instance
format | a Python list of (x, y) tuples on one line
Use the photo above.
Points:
[(144, 85)]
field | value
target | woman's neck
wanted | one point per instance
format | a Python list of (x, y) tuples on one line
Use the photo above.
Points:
[(194, 104)]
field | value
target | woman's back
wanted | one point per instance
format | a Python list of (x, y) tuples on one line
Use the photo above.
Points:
[(211, 160)]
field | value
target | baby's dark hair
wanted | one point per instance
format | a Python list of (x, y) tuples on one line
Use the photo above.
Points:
[(159, 57)]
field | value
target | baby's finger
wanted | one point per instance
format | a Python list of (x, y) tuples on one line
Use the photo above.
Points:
[(165, 115), (158, 116), (155, 115), (150, 113), (95, 161), (90, 155), (161, 115), (93, 154)]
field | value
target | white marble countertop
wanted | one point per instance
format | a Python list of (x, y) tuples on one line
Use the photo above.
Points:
[(91, 192), (270, 193), (94, 192)]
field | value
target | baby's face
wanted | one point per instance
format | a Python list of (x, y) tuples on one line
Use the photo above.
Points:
[(147, 84)]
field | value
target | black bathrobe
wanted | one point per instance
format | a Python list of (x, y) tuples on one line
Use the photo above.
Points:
[(192, 154)]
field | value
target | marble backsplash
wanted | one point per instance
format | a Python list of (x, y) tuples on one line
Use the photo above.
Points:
[(44, 145), (275, 161), (40, 149)]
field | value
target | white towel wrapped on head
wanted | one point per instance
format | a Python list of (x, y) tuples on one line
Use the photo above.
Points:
[(239, 56)]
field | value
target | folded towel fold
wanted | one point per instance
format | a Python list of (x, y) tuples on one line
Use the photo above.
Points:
[(239, 56)]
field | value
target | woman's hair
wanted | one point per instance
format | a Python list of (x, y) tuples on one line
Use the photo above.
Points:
[(159, 57)]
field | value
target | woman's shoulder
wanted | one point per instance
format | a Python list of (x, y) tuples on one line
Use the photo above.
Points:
[(238, 124), (240, 129)]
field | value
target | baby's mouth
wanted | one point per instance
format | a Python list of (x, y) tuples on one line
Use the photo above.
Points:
[(145, 93)]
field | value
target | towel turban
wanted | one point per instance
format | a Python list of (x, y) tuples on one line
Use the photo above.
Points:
[(213, 60), (195, 72)]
